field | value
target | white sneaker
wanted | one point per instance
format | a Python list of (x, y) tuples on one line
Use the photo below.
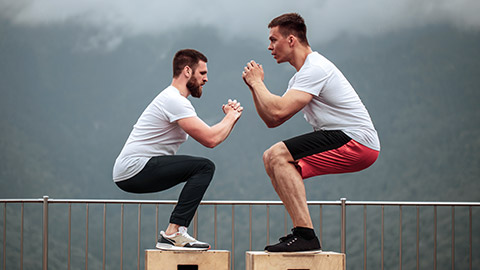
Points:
[(180, 241)]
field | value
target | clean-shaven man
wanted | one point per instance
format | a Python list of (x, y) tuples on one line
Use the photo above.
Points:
[(344, 138)]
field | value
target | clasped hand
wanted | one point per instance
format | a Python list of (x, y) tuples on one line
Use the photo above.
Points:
[(252, 73), (233, 106)]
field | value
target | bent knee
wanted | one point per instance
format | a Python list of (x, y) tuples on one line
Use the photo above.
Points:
[(209, 165), (278, 152)]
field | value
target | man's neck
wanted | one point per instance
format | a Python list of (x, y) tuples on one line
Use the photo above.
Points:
[(299, 57), (181, 87)]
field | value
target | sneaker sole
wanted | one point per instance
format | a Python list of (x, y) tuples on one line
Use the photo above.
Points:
[(175, 248), (303, 252)]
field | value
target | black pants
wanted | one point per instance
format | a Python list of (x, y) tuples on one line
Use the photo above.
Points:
[(164, 172)]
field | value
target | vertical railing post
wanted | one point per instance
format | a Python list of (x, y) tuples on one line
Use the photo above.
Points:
[(250, 226), (104, 246), (364, 237), (87, 207), (21, 239), (233, 237), (343, 228), (215, 225), (268, 224), (45, 232), (4, 236), (122, 213), (382, 240), (400, 238), (139, 234), (320, 227), (418, 237), (453, 237), (195, 225), (69, 256), (470, 236), (435, 237)]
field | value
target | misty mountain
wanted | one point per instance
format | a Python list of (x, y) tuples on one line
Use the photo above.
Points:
[(66, 112)]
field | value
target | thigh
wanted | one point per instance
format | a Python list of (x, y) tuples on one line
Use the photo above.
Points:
[(315, 142), (163, 172), (350, 157)]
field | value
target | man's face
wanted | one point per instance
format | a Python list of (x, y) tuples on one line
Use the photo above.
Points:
[(198, 79), (279, 45)]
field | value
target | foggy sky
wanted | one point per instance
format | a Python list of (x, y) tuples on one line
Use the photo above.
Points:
[(112, 22)]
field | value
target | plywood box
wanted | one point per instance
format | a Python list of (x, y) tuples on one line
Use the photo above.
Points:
[(187, 260), (260, 260)]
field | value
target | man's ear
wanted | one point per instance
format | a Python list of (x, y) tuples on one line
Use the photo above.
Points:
[(187, 71), (291, 40)]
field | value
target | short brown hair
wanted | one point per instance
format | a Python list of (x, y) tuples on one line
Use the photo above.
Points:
[(186, 57), (291, 24)]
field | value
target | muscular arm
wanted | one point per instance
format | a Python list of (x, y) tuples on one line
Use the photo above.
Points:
[(210, 136), (274, 110)]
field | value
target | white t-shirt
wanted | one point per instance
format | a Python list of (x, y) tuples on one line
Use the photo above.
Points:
[(156, 133), (335, 104)]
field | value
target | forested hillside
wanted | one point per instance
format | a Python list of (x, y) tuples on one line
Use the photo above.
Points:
[(65, 113)]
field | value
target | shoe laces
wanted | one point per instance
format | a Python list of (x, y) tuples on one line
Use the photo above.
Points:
[(292, 241), (183, 231), (285, 238)]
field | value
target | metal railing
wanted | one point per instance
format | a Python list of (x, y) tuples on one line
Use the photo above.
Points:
[(350, 209)]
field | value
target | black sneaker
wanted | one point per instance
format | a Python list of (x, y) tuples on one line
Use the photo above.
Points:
[(282, 239), (295, 243)]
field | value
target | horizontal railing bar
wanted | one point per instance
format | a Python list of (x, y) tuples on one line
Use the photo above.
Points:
[(405, 203), (21, 200), (174, 202), (114, 201), (240, 202)]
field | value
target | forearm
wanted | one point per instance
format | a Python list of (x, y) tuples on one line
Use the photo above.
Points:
[(274, 110), (268, 105), (211, 136), (220, 131)]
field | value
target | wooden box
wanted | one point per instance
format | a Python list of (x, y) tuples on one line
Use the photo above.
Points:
[(187, 260), (260, 260)]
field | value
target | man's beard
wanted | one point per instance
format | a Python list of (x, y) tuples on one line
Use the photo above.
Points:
[(194, 87)]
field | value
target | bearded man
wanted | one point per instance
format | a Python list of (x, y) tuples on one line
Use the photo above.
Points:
[(147, 162)]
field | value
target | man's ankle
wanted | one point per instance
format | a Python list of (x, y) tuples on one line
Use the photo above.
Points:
[(172, 229), (306, 233)]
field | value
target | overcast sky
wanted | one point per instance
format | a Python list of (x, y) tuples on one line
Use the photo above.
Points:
[(114, 21)]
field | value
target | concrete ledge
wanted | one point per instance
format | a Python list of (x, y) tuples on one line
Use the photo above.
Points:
[(187, 260), (261, 260)]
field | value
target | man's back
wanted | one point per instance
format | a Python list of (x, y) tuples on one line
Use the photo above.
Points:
[(335, 104), (155, 134)]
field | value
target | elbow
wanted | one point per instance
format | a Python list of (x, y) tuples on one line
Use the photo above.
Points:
[(275, 121), (211, 146), (272, 124), (211, 143)]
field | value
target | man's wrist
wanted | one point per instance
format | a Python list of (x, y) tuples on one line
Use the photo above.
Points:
[(256, 84)]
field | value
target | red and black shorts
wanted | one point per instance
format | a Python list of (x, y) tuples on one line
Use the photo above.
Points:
[(329, 152)]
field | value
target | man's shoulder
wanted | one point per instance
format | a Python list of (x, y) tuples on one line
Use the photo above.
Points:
[(168, 92), (317, 60), (313, 69), (171, 100), (171, 95), (316, 65)]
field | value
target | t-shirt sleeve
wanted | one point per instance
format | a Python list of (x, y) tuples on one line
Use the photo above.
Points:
[(310, 80), (178, 108)]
